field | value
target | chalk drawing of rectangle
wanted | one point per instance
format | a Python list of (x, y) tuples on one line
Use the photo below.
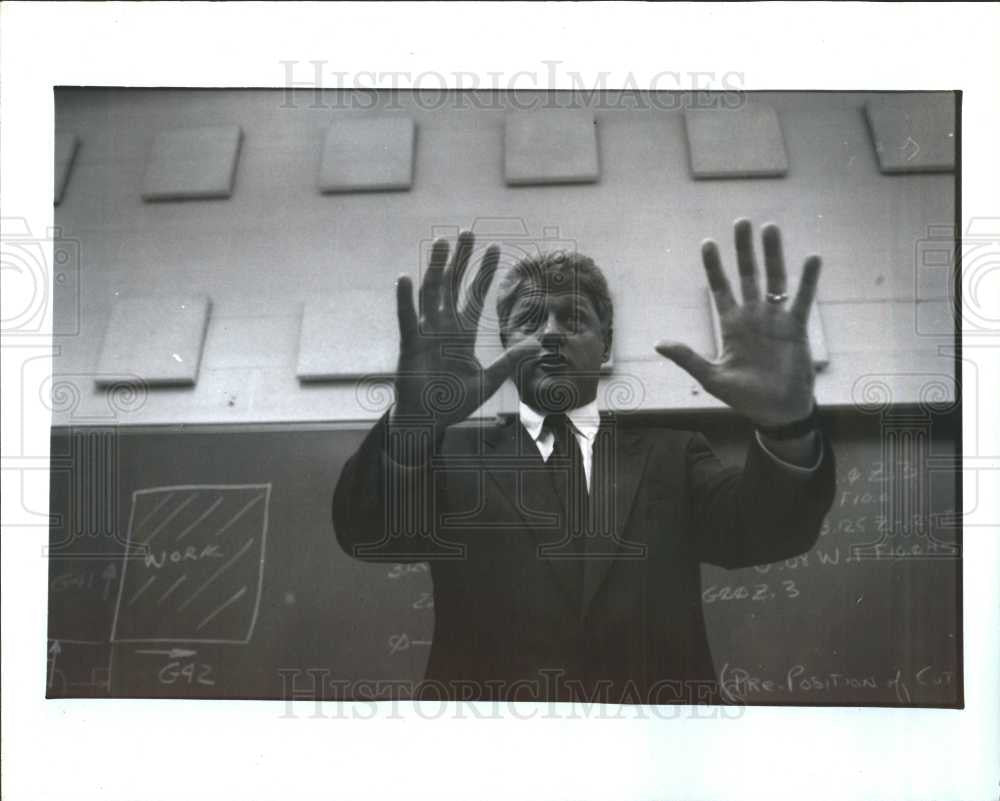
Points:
[(65, 152), (744, 142), (154, 340), (352, 334), (553, 146), (913, 134), (368, 154), (192, 163), (814, 331), (200, 576)]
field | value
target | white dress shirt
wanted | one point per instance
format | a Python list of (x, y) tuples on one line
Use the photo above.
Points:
[(587, 419)]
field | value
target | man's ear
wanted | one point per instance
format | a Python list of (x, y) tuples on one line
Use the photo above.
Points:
[(608, 337)]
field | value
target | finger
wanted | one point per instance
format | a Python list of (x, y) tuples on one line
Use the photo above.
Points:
[(430, 287), (746, 262), (685, 358), (717, 280), (405, 312), (774, 259), (507, 362), (807, 288), (456, 272), (476, 299)]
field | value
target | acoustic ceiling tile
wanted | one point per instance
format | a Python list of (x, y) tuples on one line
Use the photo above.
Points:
[(154, 340), (913, 134), (743, 142), (65, 151), (192, 163), (368, 154), (551, 147), (352, 334)]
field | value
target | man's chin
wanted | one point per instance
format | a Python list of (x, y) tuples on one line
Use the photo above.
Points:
[(553, 393)]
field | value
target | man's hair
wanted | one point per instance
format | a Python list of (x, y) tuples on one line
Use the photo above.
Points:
[(559, 270)]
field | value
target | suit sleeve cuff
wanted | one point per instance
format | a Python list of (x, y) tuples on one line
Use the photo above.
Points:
[(384, 450), (793, 468)]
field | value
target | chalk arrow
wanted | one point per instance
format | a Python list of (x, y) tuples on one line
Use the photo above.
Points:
[(54, 650), (911, 148), (109, 575), (173, 653)]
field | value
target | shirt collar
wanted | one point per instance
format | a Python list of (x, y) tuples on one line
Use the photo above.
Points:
[(586, 419)]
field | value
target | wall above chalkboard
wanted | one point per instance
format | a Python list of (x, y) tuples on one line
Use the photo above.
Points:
[(279, 242)]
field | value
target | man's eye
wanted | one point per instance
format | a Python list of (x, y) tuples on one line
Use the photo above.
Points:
[(574, 322), (527, 320)]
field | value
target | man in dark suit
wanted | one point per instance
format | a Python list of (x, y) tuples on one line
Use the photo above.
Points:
[(564, 545)]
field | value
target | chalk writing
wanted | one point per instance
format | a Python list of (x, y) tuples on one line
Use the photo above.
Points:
[(401, 570), (190, 554), (186, 672), (99, 581), (739, 683), (875, 472), (749, 592), (402, 642), (201, 565)]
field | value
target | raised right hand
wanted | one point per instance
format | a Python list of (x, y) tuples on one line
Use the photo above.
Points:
[(439, 378)]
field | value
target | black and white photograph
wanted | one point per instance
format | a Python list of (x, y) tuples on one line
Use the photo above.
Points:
[(369, 396), (655, 403)]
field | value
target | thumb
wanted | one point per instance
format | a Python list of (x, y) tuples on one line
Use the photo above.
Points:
[(507, 362), (685, 358)]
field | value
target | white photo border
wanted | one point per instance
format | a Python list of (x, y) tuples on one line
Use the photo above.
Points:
[(132, 749)]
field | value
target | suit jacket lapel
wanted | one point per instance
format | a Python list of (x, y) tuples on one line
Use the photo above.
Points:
[(618, 467), (515, 466)]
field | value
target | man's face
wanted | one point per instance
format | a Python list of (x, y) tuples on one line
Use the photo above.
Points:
[(565, 373)]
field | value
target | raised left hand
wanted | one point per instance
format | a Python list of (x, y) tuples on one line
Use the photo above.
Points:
[(765, 370)]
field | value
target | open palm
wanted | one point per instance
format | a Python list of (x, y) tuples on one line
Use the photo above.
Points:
[(765, 370), (439, 379)]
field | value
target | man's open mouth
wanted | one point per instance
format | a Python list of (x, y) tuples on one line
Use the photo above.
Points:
[(551, 361)]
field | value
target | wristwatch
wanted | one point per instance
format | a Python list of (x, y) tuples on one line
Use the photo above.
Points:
[(795, 429)]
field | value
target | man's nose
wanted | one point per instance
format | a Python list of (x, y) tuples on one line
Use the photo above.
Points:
[(553, 333)]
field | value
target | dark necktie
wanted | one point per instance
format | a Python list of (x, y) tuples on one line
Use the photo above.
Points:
[(566, 461)]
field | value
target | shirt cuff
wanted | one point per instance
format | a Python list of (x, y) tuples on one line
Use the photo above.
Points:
[(805, 471)]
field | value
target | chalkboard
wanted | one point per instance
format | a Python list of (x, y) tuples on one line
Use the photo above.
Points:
[(243, 592)]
